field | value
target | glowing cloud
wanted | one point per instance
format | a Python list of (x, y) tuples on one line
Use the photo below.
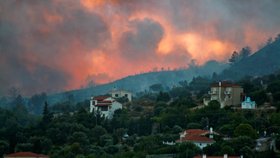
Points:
[(60, 45)]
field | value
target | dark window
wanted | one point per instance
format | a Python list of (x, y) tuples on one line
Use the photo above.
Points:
[(104, 108), (116, 95), (126, 95)]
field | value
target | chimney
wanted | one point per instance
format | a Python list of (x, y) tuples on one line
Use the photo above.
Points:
[(204, 156), (211, 133), (225, 156), (220, 93)]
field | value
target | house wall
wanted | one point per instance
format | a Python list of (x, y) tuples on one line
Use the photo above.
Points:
[(115, 106), (236, 95), (105, 114), (226, 95), (248, 105), (91, 105), (111, 109), (201, 145)]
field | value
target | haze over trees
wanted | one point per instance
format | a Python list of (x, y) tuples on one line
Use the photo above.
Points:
[(150, 119)]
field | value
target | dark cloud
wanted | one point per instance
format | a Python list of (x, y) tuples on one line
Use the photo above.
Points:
[(96, 79), (35, 39), (18, 71), (179, 56), (55, 45), (142, 41)]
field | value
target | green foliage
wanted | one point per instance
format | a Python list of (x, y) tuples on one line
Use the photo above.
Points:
[(163, 96), (240, 142), (36, 103), (200, 83), (245, 130), (149, 120), (156, 87), (277, 142), (227, 150), (194, 125), (4, 147), (247, 152), (188, 150)]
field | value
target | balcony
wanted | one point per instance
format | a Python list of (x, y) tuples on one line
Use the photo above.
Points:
[(227, 92), (212, 92)]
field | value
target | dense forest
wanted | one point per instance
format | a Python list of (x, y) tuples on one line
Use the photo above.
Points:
[(68, 130)]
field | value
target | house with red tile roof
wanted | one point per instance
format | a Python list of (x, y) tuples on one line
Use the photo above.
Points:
[(105, 105), (25, 155), (224, 156), (225, 93), (199, 137)]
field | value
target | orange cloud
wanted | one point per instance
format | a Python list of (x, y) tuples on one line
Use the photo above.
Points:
[(104, 40)]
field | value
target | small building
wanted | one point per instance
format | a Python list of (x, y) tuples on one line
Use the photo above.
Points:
[(201, 138), (25, 155), (105, 105), (121, 93), (248, 104), (225, 93)]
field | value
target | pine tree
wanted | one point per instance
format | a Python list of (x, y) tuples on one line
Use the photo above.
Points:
[(47, 116), (234, 57)]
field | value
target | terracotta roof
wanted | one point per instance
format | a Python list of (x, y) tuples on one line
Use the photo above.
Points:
[(195, 138), (196, 135), (200, 156), (196, 132), (26, 154), (225, 84), (101, 98)]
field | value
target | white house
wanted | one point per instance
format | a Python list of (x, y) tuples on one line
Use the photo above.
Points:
[(121, 93), (106, 105), (201, 138), (248, 104)]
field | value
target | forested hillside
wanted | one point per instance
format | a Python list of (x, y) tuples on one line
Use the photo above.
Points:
[(68, 130), (264, 61)]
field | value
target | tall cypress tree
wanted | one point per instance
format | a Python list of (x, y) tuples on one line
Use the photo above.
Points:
[(47, 116)]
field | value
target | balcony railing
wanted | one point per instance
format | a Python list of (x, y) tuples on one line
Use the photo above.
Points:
[(212, 92), (227, 92)]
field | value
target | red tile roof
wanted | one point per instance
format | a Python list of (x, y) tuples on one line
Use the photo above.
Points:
[(195, 138), (196, 132), (26, 154), (225, 84), (101, 98), (196, 135), (200, 156)]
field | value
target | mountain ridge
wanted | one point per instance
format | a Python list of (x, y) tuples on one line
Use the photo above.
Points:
[(141, 82), (263, 62)]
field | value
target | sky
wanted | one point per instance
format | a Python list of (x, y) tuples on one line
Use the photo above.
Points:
[(57, 45)]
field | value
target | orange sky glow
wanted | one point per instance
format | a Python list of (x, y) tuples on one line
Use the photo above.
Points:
[(103, 40)]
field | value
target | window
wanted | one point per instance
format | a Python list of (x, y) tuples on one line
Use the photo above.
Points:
[(116, 95), (126, 95), (104, 108)]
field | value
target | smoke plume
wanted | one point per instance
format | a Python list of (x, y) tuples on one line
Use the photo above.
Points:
[(59, 45)]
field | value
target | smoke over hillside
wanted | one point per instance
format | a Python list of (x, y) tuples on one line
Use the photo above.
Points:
[(62, 44)]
